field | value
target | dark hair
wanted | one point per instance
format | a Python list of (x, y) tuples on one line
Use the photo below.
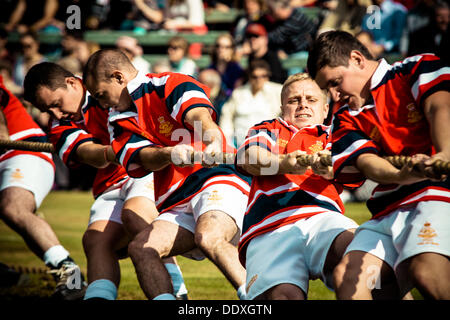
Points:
[(259, 64), (103, 62), (332, 49), (45, 74), (31, 34)]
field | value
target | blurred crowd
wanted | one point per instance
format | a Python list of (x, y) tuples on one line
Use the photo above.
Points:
[(245, 71)]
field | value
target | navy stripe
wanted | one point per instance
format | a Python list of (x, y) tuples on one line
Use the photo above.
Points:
[(344, 142), (178, 92), (200, 105), (195, 181), (351, 159), (37, 139), (378, 204), (268, 204), (265, 122), (75, 146), (442, 86), (426, 67), (64, 136), (254, 132), (134, 138)]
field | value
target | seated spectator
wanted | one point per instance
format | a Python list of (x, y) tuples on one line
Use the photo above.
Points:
[(185, 15), (217, 95), (148, 14), (6, 74), (347, 16), (251, 103), (223, 60), (386, 24), (434, 37), (292, 31), (220, 5), (366, 39), (162, 65), (133, 51), (256, 36), (30, 56), (5, 54), (177, 52), (33, 16), (253, 11)]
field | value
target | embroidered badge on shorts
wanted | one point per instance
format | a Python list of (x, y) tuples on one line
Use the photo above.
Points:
[(17, 175), (427, 233), (215, 197)]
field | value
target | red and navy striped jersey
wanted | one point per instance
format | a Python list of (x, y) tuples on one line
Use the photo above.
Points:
[(275, 201), (156, 118), (21, 125), (393, 123), (66, 136)]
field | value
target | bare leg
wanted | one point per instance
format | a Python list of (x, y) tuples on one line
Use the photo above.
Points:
[(17, 207), (159, 239), (430, 274), (284, 291), (213, 234)]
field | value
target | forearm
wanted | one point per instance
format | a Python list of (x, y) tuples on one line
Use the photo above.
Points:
[(4, 133), (153, 15), (377, 169), (258, 161), (50, 9), (154, 158), (93, 154), (437, 111), (200, 118)]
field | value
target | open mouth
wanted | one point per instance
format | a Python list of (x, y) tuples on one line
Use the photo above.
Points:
[(303, 116)]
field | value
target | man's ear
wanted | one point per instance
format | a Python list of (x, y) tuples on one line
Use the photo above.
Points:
[(118, 76), (71, 81), (357, 59)]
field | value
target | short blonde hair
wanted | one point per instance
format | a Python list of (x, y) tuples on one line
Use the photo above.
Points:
[(302, 76)]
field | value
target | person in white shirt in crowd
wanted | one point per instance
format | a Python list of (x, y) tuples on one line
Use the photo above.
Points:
[(251, 103), (130, 46), (177, 52)]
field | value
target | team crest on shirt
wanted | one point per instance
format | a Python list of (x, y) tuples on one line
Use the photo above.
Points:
[(214, 197), (165, 127), (282, 143), (427, 233), (17, 175), (316, 147), (413, 115), (375, 134), (150, 186)]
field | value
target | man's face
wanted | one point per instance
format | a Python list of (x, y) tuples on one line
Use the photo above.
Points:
[(257, 43), (62, 103), (346, 84), (258, 78), (110, 94), (304, 104)]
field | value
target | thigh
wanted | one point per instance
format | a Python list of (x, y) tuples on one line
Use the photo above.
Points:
[(274, 258), (30, 173), (168, 238), (217, 224), (17, 200), (104, 233)]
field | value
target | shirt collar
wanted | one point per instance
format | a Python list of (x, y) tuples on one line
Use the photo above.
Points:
[(380, 72), (140, 78)]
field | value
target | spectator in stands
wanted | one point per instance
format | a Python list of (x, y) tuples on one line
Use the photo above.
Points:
[(347, 16), (223, 60), (177, 52), (434, 37), (5, 55), (6, 74), (162, 65), (386, 24), (257, 100), (220, 5), (256, 36), (133, 51), (148, 14), (292, 31), (217, 95), (366, 39), (33, 16), (185, 15), (30, 48), (253, 11)]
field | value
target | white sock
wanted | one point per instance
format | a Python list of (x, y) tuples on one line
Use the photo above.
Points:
[(55, 255), (241, 293), (179, 287), (165, 296), (102, 288)]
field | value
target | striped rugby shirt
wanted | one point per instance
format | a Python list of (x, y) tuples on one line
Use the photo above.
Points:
[(275, 201), (393, 123), (21, 126), (156, 118), (66, 136)]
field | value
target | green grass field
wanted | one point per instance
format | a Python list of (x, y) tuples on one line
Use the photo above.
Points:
[(68, 213)]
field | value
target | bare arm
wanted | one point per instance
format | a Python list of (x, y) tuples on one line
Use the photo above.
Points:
[(4, 133), (96, 155), (437, 112), (51, 6), (16, 16), (156, 16)]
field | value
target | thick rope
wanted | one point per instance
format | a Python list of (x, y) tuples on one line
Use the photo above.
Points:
[(26, 145)]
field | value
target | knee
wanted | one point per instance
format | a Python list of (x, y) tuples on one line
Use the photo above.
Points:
[(420, 272), (285, 291), (207, 241), (140, 246)]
